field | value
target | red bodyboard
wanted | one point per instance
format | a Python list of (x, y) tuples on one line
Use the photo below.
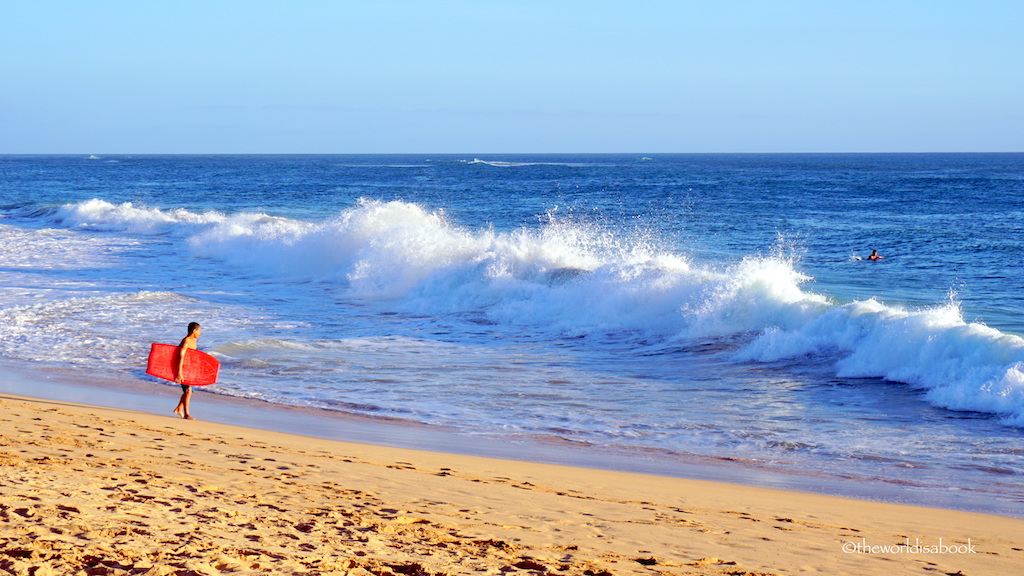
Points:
[(200, 368)]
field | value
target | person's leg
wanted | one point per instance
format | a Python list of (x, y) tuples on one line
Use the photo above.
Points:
[(186, 397)]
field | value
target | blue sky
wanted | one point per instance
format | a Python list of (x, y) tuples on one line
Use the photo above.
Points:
[(300, 76)]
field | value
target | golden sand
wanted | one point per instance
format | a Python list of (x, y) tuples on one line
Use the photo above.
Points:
[(88, 490)]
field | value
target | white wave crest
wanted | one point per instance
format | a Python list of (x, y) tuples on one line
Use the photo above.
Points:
[(126, 217), (961, 365)]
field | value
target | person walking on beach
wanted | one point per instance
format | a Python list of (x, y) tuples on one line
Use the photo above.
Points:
[(187, 343)]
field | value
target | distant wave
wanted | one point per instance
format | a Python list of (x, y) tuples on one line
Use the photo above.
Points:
[(508, 164), (574, 278)]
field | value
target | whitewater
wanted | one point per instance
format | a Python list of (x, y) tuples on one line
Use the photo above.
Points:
[(674, 308)]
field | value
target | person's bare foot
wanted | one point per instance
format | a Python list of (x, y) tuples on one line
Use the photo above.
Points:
[(178, 412)]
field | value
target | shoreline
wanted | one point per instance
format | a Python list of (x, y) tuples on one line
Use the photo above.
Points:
[(343, 427), (119, 491)]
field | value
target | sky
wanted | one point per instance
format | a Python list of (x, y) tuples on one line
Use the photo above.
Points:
[(524, 76)]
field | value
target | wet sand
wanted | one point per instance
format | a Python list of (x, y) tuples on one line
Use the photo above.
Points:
[(94, 490)]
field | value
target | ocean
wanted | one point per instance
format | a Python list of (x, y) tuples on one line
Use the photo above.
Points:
[(717, 309)]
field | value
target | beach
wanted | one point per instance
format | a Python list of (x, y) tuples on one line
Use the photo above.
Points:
[(101, 490)]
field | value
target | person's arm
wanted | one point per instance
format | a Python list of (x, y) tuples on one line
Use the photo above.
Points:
[(179, 378)]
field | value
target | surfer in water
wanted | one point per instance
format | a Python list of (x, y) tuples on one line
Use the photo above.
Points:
[(187, 343), (875, 256)]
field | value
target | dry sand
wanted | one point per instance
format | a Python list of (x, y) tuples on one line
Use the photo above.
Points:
[(89, 490)]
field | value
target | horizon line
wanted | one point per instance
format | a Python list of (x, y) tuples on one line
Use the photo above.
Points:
[(99, 154)]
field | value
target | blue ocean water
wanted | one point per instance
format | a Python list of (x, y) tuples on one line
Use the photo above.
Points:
[(708, 307)]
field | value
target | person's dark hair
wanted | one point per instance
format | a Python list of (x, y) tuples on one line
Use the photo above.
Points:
[(192, 327)]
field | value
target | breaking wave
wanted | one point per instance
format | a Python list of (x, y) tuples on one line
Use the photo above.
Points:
[(575, 278)]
